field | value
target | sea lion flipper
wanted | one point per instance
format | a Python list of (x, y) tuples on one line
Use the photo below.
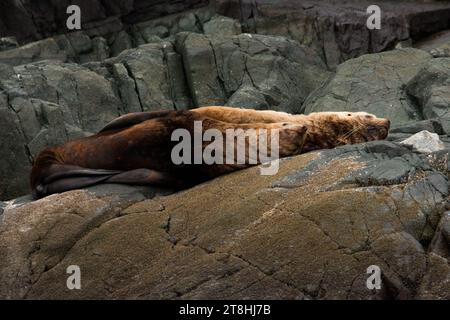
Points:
[(65, 178), (66, 184), (130, 119), (145, 177), (61, 171), (61, 178)]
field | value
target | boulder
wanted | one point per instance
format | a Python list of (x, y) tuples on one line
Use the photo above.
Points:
[(425, 142), (8, 43), (335, 30), (249, 71), (431, 125), (48, 17), (150, 77), (309, 232), (222, 26), (431, 89), (374, 83)]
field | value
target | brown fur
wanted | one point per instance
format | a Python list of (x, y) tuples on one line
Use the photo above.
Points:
[(143, 141)]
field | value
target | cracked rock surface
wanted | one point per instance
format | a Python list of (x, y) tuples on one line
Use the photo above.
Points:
[(309, 232)]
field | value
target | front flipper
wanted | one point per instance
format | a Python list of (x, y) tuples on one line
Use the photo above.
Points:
[(131, 119), (144, 177), (66, 177), (61, 178)]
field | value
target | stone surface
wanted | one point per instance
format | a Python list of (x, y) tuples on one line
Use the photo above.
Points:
[(309, 232), (425, 142), (249, 71), (337, 30), (45, 18), (374, 83), (431, 125), (431, 88), (8, 43)]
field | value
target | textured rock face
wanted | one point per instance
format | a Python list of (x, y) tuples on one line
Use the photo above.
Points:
[(311, 231), (431, 88), (374, 83), (250, 71), (425, 142), (30, 20), (337, 30)]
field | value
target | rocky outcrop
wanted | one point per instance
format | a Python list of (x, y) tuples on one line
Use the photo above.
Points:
[(309, 232), (337, 30), (373, 83), (29, 20), (431, 89), (250, 71)]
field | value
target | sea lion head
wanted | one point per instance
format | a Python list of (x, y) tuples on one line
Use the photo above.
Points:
[(340, 128), (358, 127)]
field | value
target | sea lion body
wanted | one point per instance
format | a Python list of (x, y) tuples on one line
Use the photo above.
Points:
[(137, 148)]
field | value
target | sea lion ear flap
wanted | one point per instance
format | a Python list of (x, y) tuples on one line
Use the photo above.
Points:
[(130, 119)]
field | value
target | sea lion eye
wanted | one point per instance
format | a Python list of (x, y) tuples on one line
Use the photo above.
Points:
[(349, 114), (369, 116)]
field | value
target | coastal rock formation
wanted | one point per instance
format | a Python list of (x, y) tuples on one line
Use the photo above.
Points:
[(309, 232)]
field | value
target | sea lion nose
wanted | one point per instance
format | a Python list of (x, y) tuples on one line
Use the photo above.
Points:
[(388, 123)]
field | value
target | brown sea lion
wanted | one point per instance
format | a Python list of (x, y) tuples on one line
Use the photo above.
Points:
[(136, 148)]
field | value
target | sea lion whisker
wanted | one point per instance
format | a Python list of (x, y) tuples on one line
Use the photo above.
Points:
[(351, 132)]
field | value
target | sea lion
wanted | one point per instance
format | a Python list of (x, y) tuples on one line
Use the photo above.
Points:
[(136, 148)]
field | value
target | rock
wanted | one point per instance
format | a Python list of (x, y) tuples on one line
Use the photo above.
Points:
[(121, 43), (431, 88), (222, 26), (373, 83), (8, 43), (425, 142), (435, 281), (335, 30), (248, 70), (431, 125), (99, 18), (436, 44), (308, 232), (159, 81), (35, 51)]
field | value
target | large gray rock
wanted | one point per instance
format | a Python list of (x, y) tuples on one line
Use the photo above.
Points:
[(374, 83), (425, 142), (431, 88), (47, 17), (158, 76), (249, 71), (244, 236), (337, 30)]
